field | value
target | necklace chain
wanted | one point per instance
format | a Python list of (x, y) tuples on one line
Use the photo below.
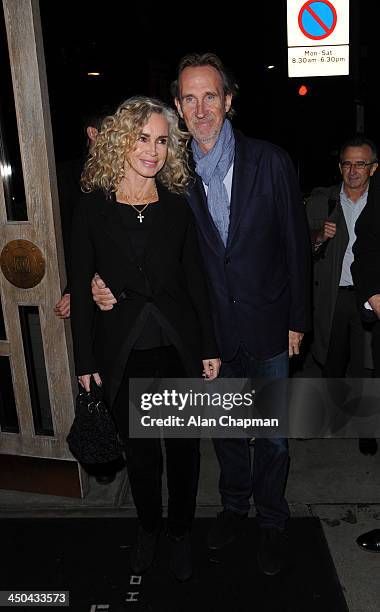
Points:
[(140, 216), (146, 201)]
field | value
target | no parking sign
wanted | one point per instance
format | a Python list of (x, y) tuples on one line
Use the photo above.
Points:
[(318, 37)]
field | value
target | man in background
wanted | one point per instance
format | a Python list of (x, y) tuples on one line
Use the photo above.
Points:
[(69, 192), (339, 335)]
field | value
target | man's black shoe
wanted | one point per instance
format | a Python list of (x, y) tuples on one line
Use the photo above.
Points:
[(368, 446), (180, 557), (270, 555), (143, 550), (224, 530), (105, 479), (370, 541)]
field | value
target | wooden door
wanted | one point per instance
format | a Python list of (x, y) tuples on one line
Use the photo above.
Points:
[(37, 383)]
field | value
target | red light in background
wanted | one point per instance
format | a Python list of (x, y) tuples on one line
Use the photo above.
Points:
[(303, 90)]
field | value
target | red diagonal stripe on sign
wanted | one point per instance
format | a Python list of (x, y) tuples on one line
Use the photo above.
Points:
[(317, 18)]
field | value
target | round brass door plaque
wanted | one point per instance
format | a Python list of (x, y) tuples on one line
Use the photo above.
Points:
[(22, 263)]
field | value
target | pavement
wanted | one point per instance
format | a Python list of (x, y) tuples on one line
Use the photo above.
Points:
[(328, 479)]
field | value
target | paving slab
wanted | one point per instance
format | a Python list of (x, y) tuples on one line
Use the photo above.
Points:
[(358, 571), (332, 471)]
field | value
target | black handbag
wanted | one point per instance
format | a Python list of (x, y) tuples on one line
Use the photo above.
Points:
[(93, 437)]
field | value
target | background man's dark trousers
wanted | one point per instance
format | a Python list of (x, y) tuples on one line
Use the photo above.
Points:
[(376, 349), (346, 339)]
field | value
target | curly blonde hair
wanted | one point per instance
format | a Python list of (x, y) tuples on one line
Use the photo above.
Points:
[(119, 133)]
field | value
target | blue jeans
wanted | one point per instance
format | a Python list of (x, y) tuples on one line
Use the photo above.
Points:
[(267, 480)]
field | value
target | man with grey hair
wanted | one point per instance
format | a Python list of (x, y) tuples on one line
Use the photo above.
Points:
[(339, 335)]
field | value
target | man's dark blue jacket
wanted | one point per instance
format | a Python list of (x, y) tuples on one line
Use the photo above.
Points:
[(260, 282)]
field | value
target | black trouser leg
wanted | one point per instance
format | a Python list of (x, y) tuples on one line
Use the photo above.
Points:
[(144, 456), (182, 464), (376, 349), (346, 339), (144, 465), (357, 342)]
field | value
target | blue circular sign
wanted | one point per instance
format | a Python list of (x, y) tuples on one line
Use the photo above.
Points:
[(317, 19)]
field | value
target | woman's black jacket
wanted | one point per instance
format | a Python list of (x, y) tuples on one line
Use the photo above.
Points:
[(170, 278)]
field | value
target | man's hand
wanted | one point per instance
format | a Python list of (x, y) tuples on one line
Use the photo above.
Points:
[(374, 302), (328, 231), (211, 368), (62, 308), (101, 294), (295, 339), (84, 380)]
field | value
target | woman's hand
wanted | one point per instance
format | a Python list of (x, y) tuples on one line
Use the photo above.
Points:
[(84, 380), (211, 368)]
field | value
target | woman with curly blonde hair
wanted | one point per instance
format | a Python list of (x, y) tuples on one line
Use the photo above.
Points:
[(105, 165), (135, 228)]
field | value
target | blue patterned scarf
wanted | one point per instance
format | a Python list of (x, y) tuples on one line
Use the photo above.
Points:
[(212, 167)]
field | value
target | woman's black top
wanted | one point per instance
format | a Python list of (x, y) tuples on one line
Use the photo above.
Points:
[(152, 334)]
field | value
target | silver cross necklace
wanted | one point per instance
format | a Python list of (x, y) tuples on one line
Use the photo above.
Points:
[(153, 197), (140, 216)]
